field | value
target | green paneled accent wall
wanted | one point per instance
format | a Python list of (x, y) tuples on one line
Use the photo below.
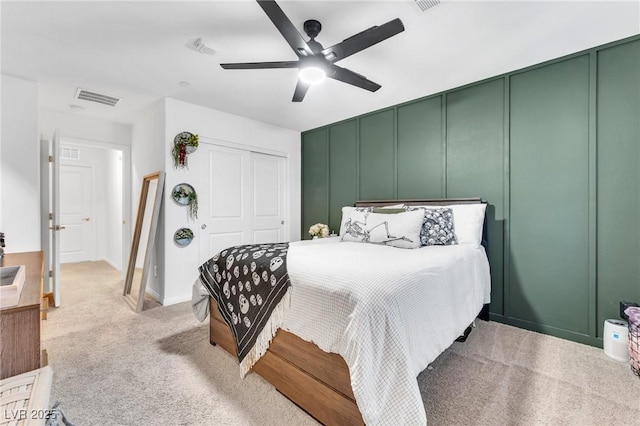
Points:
[(420, 149), (618, 112), (377, 156), (555, 151), (549, 230), (343, 159), (475, 163), (315, 179)]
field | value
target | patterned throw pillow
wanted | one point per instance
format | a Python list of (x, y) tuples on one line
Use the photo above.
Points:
[(437, 227)]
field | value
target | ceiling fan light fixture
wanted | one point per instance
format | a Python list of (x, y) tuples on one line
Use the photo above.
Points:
[(312, 75)]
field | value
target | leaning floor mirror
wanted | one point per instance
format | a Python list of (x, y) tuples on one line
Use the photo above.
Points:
[(143, 242)]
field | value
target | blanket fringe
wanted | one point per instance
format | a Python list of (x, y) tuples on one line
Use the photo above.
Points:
[(266, 335)]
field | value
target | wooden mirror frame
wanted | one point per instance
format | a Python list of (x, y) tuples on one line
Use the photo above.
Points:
[(138, 303)]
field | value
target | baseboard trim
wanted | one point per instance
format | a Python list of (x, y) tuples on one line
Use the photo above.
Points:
[(176, 299), (549, 330), (151, 292), (112, 264)]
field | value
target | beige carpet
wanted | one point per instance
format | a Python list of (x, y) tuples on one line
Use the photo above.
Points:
[(115, 367)]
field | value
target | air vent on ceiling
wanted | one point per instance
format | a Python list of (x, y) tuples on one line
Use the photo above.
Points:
[(86, 95), (426, 4)]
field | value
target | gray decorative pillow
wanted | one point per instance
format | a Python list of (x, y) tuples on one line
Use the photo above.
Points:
[(437, 227)]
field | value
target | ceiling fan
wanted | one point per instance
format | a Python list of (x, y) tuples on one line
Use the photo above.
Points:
[(314, 61)]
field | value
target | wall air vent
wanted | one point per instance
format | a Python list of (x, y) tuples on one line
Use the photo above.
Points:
[(426, 4), (86, 95), (69, 153)]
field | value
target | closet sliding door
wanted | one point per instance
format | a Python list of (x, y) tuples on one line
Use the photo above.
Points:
[(242, 198)]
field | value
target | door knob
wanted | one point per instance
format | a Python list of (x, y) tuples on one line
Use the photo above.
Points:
[(86, 219), (282, 223), (203, 226)]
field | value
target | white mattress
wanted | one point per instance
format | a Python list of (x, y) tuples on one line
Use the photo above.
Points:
[(388, 312)]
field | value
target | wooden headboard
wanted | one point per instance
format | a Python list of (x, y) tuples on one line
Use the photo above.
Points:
[(428, 201)]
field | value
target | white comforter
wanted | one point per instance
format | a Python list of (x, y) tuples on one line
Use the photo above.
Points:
[(388, 312)]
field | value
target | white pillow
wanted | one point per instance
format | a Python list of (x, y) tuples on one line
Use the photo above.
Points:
[(346, 212), (468, 220), (398, 230)]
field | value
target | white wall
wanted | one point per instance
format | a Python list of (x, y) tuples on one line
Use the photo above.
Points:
[(181, 266), (148, 156), (147, 147), (20, 165), (77, 126)]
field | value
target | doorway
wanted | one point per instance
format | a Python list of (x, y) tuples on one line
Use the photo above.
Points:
[(92, 180), (91, 203)]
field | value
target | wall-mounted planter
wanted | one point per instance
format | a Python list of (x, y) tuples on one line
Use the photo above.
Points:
[(183, 237), (184, 144), (185, 195)]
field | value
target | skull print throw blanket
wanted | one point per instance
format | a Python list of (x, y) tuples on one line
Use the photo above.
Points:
[(250, 284)]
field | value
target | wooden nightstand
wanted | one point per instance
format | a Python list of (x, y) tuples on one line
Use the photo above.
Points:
[(20, 324)]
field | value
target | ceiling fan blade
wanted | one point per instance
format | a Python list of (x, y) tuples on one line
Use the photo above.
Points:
[(350, 77), (260, 65), (361, 41), (286, 28), (301, 90)]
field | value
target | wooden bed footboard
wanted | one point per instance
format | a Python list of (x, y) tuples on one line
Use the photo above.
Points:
[(316, 381)]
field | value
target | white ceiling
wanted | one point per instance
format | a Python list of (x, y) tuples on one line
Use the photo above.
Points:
[(136, 50)]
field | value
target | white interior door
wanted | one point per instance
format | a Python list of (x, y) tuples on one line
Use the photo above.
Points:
[(76, 212), (45, 211), (268, 198), (49, 209), (223, 199)]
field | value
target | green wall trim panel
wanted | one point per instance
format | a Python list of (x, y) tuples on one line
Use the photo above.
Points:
[(475, 158), (618, 230), (419, 162), (555, 150), (315, 179), (343, 157), (377, 159), (550, 196)]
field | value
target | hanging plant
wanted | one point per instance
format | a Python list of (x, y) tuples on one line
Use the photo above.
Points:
[(183, 144), (185, 195), (192, 207)]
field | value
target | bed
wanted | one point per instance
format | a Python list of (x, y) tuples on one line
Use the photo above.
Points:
[(365, 320)]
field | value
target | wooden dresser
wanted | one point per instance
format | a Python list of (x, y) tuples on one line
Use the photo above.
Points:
[(20, 324)]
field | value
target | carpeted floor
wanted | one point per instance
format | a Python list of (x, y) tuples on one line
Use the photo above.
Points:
[(115, 367)]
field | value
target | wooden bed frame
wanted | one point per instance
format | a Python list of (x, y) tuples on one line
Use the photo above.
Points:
[(316, 381)]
